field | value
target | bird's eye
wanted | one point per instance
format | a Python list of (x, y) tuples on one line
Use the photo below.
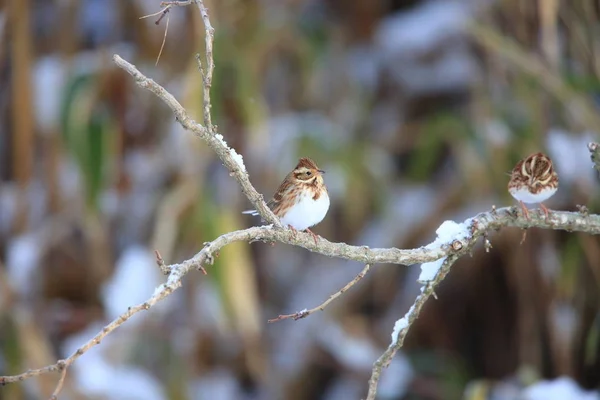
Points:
[(309, 173)]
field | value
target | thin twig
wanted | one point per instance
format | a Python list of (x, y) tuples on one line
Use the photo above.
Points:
[(165, 12), (207, 71), (305, 313), (428, 290), (483, 225), (213, 141), (173, 283), (594, 149), (164, 37), (178, 3), (161, 12), (61, 364)]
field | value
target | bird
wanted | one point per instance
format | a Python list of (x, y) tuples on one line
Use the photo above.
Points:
[(533, 180), (301, 201)]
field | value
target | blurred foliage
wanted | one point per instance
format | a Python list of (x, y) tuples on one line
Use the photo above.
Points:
[(88, 131), (295, 78)]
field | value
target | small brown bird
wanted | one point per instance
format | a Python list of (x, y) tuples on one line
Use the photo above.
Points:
[(533, 180), (301, 200)]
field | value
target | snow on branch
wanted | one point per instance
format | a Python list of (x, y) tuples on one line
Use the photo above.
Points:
[(451, 248), (230, 158)]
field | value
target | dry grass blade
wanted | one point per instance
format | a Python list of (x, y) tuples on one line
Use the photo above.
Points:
[(63, 366), (164, 38), (161, 13)]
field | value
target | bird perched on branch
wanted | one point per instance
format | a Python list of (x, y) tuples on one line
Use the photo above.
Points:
[(301, 200), (533, 180)]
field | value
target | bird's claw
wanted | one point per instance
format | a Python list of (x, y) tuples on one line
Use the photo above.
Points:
[(525, 211), (314, 235), (545, 210), (294, 232)]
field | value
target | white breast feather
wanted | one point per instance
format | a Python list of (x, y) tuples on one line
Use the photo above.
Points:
[(523, 194), (307, 212)]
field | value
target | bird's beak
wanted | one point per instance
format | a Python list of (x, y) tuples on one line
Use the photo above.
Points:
[(321, 171)]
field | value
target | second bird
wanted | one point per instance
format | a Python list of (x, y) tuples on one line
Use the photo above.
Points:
[(533, 180)]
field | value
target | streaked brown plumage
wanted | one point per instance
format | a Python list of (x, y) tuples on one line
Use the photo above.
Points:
[(533, 180), (301, 201)]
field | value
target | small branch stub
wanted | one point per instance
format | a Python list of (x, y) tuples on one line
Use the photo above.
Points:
[(594, 149), (457, 245)]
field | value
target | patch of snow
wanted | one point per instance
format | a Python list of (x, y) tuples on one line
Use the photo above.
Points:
[(209, 309), (145, 168), (411, 205), (571, 156), (446, 233), (429, 270), (385, 120), (133, 281), (216, 384), (356, 353), (95, 376), (69, 179), (22, 258), (49, 76), (285, 130), (158, 289), (180, 151), (396, 379), (94, 18), (343, 387), (422, 28), (450, 231), (561, 388), (401, 324), (173, 278), (497, 132), (379, 162), (564, 320), (549, 261), (407, 38), (238, 158), (363, 66), (453, 70), (109, 202)]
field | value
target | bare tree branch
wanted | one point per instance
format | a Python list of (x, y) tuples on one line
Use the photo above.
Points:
[(207, 71), (480, 226), (63, 368), (404, 325), (305, 313), (594, 149), (214, 141)]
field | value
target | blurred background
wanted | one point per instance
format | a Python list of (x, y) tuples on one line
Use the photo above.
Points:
[(416, 109)]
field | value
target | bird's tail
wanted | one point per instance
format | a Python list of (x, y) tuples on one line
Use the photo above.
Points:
[(251, 212)]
